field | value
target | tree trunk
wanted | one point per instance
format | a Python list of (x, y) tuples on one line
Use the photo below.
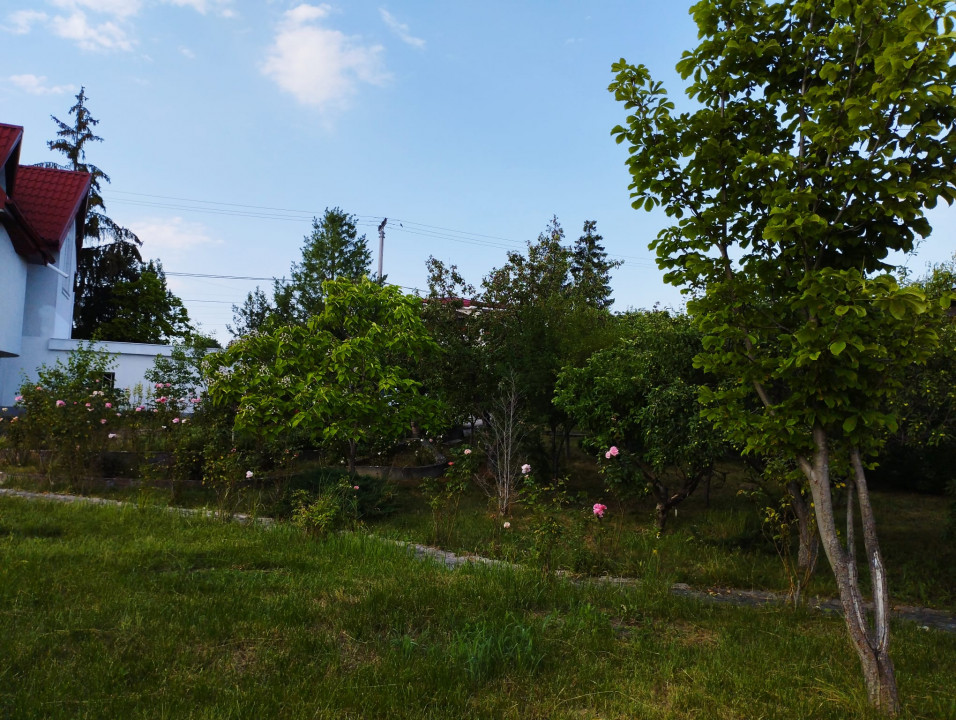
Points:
[(872, 645), (808, 547), (351, 457)]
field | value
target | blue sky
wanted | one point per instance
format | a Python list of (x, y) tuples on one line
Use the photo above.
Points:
[(228, 124)]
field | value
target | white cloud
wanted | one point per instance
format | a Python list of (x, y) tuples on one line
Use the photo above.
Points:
[(101, 25), (401, 29), (187, 53), (171, 238), (22, 20), (37, 85), (221, 7), (105, 36), (319, 66), (113, 8)]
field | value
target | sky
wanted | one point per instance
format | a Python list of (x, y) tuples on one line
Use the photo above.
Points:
[(228, 125)]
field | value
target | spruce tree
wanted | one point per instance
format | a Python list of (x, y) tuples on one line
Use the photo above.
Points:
[(333, 250), (252, 315), (590, 269), (109, 261)]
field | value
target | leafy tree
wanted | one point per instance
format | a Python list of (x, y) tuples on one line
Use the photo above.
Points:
[(71, 412), (183, 369), (640, 397), (334, 250), (537, 327), (525, 332), (922, 451), (344, 377), (144, 310), (252, 315), (459, 374), (591, 270), (823, 132)]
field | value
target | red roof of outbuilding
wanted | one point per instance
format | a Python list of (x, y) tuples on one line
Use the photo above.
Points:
[(50, 200), (9, 137)]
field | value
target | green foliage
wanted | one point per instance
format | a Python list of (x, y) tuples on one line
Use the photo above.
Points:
[(921, 453), (640, 396), (183, 369), (343, 379), (590, 269), (540, 323), (822, 134), (70, 414), (252, 315), (334, 507), (444, 492), (143, 309), (813, 182), (333, 251), (460, 373)]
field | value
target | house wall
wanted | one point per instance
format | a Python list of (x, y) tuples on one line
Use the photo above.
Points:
[(49, 296), (13, 280), (131, 362)]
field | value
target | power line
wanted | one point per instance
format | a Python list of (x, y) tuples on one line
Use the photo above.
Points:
[(265, 212)]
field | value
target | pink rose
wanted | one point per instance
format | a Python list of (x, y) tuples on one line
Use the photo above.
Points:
[(175, 421), (525, 469), (599, 509), (60, 403), (103, 421), (468, 451), (108, 405)]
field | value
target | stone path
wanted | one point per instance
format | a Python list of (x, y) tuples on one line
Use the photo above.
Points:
[(926, 618)]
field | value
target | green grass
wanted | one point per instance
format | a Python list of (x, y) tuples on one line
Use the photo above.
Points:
[(719, 543), (715, 543), (135, 613)]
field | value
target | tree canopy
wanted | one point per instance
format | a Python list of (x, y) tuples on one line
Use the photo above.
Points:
[(823, 131), (333, 250), (345, 377)]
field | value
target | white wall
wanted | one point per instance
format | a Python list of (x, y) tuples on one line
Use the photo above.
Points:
[(131, 362), (13, 279)]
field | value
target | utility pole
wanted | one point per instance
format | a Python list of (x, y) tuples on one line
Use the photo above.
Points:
[(381, 246)]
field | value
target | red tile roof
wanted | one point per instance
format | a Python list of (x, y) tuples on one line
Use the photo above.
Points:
[(9, 137), (50, 200)]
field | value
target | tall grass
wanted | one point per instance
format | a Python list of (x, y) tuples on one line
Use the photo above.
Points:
[(134, 613)]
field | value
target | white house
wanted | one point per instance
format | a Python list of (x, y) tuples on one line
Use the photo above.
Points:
[(42, 211)]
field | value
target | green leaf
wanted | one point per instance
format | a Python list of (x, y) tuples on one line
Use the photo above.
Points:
[(837, 346)]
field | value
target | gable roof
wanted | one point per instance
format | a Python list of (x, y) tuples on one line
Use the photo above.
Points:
[(9, 139), (51, 200), (39, 205), (10, 136)]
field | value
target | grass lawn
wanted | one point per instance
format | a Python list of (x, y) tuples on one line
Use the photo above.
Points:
[(129, 613)]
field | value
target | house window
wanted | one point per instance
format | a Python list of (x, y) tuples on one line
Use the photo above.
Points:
[(109, 380)]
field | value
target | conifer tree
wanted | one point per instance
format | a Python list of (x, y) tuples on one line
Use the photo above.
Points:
[(111, 278), (333, 250), (590, 269)]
